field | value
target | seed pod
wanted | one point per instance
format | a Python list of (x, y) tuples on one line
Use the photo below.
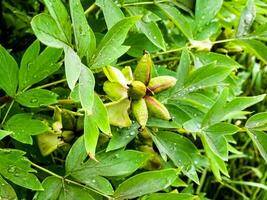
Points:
[(114, 91), (49, 142), (68, 135), (140, 111), (157, 109), (115, 75), (118, 113), (161, 83), (68, 120), (143, 69), (137, 90), (128, 74)]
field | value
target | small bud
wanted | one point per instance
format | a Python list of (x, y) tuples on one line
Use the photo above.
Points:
[(115, 75), (161, 83), (140, 111), (118, 113), (143, 69), (137, 90), (156, 108), (114, 91)]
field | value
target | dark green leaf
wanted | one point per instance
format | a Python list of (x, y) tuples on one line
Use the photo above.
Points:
[(170, 196), (59, 13), (121, 137), (91, 134), (260, 140), (46, 30), (6, 191), (178, 19), (118, 163), (16, 168), (86, 89), (23, 126), (8, 72), (258, 122), (34, 67), (84, 36), (205, 11), (36, 98), (112, 12), (145, 183), (110, 47)]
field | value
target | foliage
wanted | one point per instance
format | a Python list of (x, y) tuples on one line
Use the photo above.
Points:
[(86, 113)]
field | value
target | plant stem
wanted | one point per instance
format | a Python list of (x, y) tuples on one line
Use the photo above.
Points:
[(235, 190), (7, 112), (66, 180), (90, 9), (144, 3), (202, 179), (51, 84)]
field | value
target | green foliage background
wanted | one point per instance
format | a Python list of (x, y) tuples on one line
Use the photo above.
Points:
[(55, 135)]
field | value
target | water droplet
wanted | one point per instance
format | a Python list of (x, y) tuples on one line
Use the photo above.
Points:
[(34, 100), (11, 169), (93, 181)]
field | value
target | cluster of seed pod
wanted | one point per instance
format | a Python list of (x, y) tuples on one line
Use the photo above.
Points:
[(135, 90)]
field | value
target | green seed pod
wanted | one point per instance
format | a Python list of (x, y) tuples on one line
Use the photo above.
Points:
[(118, 113), (128, 74), (137, 90), (161, 83), (140, 112), (114, 91), (49, 142), (156, 108), (115, 75), (143, 69), (68, 120), (68, 135)]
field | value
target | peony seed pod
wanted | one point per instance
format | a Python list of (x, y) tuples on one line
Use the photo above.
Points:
[(128, 74), (140, 112), (115, 75), (161, 83), (143, 69), (137, 90), (157, 109), (114, 91)]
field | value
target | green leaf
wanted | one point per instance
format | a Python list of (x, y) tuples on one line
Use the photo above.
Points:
[(222, 128), (115, 163), (100, 114), (8, 72), (86, 89), (112, 12), (59, 13), (206, 11), (121, 137), (16, 168), (145, 183), (23, 126), (183, 69), (171, 196), (73, 66), (76, 155), (259, 138), (6, 191), (178, 19), (57, 189), (180, 150), (4, 133), (34, 67), (84, 35), (256, 47), (258, 122), (220, 59), (207, 76), (35, 98), (149, 28), (91, 134), (239, 104), (110, 47), (46, 30), (246, 19), (214, 113)]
